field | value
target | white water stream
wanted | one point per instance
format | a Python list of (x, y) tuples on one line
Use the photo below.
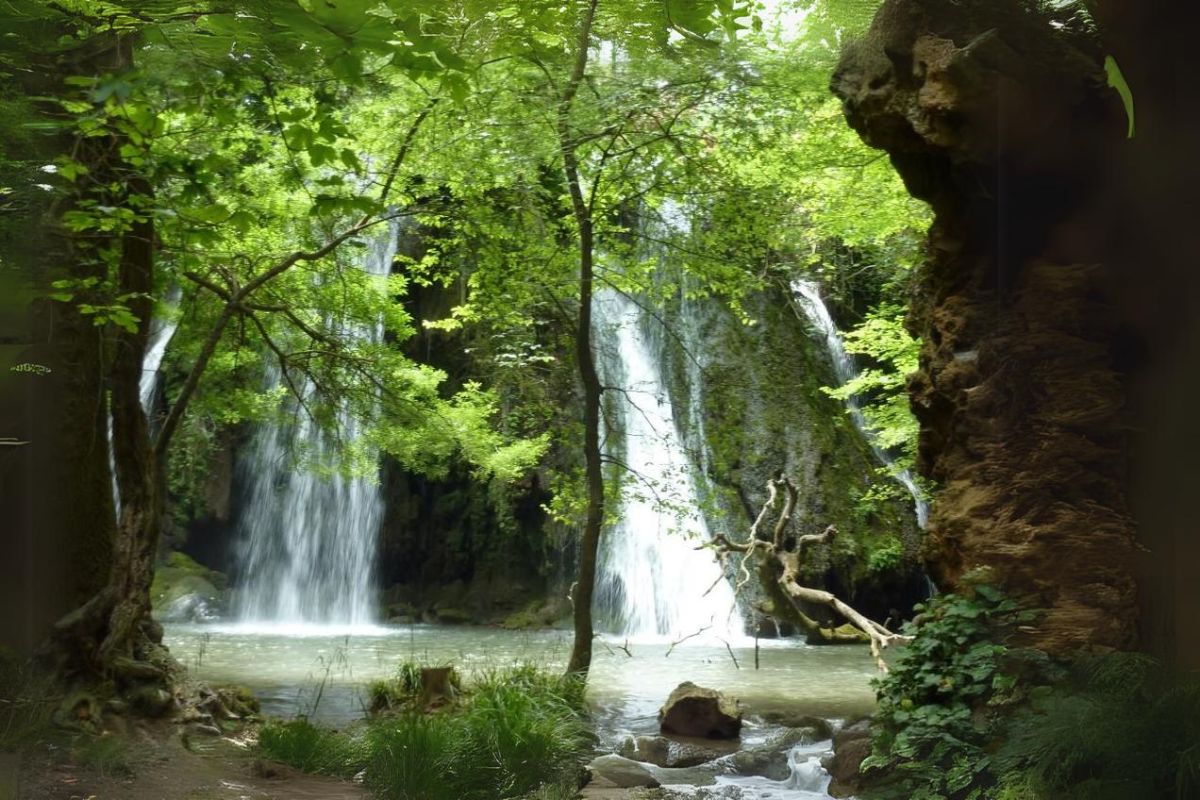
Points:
[(808, 298), (654, 581), (307, 540), (162, 330)]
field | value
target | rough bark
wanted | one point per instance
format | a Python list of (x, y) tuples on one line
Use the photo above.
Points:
[(1004, 126)]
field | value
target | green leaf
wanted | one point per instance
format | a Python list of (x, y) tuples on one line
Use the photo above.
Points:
[(1116, 80)]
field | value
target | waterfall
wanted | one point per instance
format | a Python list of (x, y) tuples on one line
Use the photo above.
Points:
[(307, 541), (162, 330), (808, 297), (652, 579)]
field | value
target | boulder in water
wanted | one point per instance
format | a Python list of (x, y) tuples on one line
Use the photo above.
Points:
[(851, 745), (622, 772), (185, 591), (693, 710), (821, 729), (675, 752)]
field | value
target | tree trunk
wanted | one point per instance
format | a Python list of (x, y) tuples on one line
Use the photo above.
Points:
[(141, 478), (107, 636), (581, 648)]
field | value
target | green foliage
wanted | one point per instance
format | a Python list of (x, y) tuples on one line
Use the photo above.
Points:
[(879, 388), (518, 731), (1117, 725), (412, 757), (886, 557), (1116, 80), (300, 744), (107, 754), (932, 729)]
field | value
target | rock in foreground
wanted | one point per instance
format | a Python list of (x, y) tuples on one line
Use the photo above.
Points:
[(693, 710)]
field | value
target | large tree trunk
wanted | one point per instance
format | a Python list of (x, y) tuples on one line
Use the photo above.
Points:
[(1007, 129), (111, 635), (140, 474)]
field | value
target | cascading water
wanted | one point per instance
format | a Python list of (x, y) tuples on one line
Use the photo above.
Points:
[(808, 297), (162, 330), (653, 581), (307, 550)]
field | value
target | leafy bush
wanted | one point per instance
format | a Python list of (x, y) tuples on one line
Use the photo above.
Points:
[(931, 735), (887, 556), (521, 730)]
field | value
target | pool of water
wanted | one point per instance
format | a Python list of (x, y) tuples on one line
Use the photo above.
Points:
[(289, 667), (323, 672)]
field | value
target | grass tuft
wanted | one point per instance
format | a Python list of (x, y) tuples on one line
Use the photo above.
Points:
[(300, 744), (517, 732)]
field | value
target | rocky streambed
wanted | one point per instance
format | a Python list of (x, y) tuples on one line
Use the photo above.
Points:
[(793, 705)]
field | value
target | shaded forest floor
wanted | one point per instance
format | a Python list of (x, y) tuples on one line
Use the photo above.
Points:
[(153, 762)]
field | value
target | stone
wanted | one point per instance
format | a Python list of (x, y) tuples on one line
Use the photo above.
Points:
[(453, 616), (622, 772), (191, 607), (693, 710), (770, 759), (851, 745), (675, 752), (821, 728)]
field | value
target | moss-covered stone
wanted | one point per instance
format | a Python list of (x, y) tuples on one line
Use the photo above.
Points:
[(181, 578)]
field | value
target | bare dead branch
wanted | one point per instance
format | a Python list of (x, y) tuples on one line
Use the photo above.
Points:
[(779, 564)]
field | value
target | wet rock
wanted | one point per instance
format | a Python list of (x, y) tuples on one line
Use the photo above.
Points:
[(675, 752), (192, 607), (820, 727), (851, 745), (185, 591), (770, 759), (453, 616), (622, 772), (693, 710)]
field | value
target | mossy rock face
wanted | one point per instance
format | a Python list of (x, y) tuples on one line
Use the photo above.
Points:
[(453, 616), (185, 591), (538, 614)]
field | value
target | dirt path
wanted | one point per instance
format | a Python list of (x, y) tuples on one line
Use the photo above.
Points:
[(157, 764)]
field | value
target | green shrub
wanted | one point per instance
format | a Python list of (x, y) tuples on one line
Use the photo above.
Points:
[(1118, 726), (932, 725), (305, 746), (518, 735), (517, 732), (886, 557), (412, 757)]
